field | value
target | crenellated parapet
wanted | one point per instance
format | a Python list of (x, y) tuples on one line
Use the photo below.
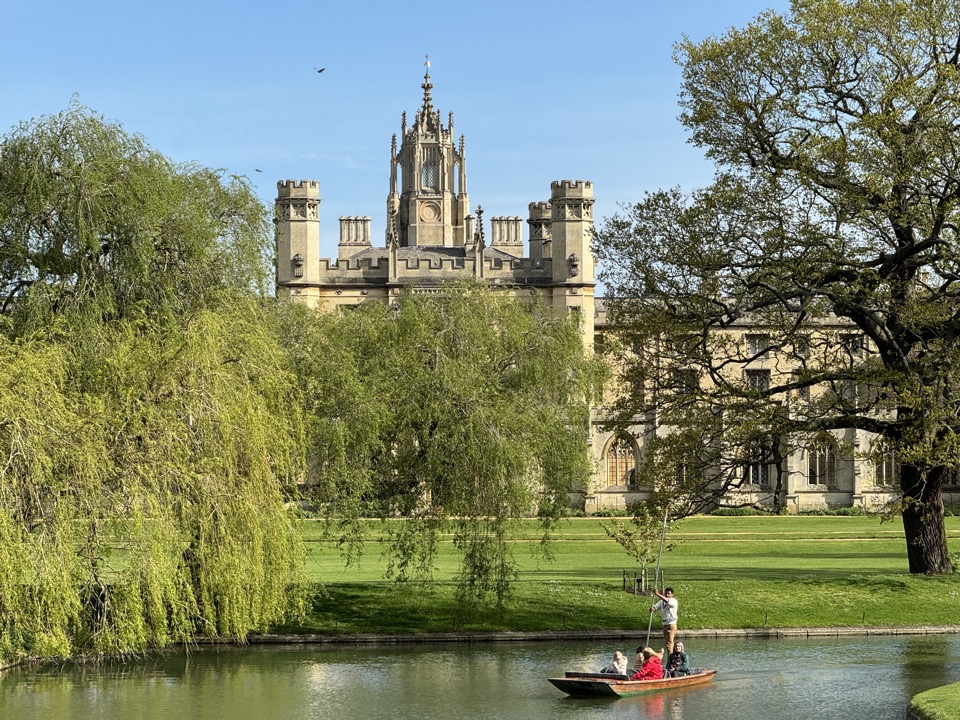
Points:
[(298, 188), (571, 188), (298, 200), (572, 200), (374, 270)]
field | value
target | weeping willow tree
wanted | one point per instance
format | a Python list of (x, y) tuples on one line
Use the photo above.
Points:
[(148, 419), (475, 409)]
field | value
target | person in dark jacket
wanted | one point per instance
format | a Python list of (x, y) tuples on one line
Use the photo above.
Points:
[(677, 663)]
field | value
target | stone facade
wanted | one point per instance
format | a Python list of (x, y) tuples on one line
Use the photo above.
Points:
[(836, 469), (432, 237)]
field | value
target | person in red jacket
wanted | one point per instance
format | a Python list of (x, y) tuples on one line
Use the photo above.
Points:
[(652, 668)]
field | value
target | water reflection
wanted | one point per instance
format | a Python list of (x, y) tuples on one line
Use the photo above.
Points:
[(850, 678)]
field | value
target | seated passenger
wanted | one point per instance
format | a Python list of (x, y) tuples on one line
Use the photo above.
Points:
[(617, 666), (677, 663), (652, 668)]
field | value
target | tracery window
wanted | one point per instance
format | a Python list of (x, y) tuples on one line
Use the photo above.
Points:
[(886, 469), (428, 169), (621, 461), (852, 344), (758, 345), (757, 473), (758, 380), (756, 467), (822, 462)]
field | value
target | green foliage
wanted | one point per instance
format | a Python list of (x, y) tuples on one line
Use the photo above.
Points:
[(833, 213), (737, 512), (610, 513), (644, 537), (148, 415), (95, 221), (459, 411), (844, 511)]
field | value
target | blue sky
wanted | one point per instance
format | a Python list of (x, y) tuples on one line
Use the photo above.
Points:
[(542, 91)]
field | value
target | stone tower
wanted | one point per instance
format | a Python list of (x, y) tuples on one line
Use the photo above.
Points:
[(431, 238), (428, 203), (298, 238), (571, 250)]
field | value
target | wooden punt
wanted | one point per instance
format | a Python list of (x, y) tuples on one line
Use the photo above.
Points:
[(580, 684)]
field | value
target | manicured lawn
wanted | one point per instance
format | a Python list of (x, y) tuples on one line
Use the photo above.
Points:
[(941, 703), (728, 572)]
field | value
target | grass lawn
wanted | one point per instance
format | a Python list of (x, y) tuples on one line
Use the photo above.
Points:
[(727, 572)]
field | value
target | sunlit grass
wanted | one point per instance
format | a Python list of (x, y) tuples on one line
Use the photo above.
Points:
[(727, 573)]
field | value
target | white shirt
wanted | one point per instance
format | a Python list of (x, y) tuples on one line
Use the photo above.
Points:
[(668, 611)]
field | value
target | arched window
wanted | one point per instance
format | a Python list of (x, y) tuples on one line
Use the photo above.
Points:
[(428, 169), (822, 462), (621, 460), (886, 469)]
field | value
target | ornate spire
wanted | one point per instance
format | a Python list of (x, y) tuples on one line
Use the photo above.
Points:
[(428, 119), (427, 87)]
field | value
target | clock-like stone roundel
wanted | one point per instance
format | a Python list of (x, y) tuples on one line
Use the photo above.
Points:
[(429, 212)]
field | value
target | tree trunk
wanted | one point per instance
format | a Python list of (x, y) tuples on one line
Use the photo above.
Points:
[(923, 520)]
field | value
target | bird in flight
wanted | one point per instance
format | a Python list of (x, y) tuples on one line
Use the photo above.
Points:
[(258, 169), (320, 70)]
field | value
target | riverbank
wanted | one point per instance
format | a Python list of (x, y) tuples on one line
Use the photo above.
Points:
[(942, 703), (570, 635)]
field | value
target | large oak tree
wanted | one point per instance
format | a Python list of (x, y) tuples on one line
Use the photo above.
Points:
[(834, 129)]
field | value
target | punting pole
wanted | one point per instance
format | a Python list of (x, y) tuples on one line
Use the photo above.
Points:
[(656, 574)]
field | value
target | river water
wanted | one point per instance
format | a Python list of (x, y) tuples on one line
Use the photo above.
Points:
[(871, 678)]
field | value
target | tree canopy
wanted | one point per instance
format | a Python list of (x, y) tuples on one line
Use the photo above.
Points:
[(460, 412), (149, 422), (158, 411), (832, 218)]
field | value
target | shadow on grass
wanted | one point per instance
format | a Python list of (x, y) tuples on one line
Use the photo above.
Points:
[(390, 608)]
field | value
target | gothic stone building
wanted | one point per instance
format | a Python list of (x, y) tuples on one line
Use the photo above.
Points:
[(433, 237)]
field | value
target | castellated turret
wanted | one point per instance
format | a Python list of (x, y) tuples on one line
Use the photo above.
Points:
[(571, 251), (298, 237), (571, 230)]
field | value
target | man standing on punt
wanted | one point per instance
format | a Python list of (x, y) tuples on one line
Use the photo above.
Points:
[(667, 605)]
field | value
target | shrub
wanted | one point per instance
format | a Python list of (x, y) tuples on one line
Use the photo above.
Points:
[(737, 511)]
